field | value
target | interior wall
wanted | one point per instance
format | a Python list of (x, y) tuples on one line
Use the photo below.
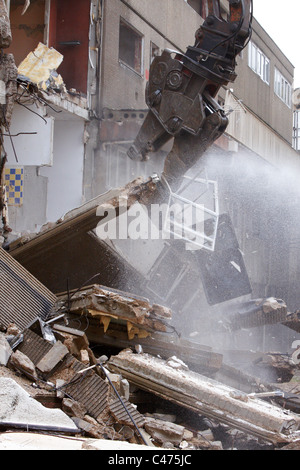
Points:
[(69, 35), (66, 174), (28, 29)]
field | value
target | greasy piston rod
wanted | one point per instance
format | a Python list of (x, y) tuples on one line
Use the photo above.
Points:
[(182, 89)]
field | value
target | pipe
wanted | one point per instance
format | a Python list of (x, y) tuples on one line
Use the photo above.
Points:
[(38, 427)]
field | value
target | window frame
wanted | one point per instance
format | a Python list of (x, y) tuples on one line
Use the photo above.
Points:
[(296, 130), (259, 62), (140, 70), (282, 88)]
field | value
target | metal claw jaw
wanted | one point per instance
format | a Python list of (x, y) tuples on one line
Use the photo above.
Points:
[(174, 98)]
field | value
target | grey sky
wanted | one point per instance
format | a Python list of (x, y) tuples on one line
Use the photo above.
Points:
[(281, 21)]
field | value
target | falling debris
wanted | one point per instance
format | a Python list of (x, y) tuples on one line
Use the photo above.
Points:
[(26, 6), (39, 67), (120, 398), (109, 306)]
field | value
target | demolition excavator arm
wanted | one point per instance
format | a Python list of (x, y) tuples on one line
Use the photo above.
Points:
[(182, 89)]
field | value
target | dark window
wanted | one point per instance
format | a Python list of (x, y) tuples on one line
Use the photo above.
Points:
[(69, 34), (130, 47), (154, 51)]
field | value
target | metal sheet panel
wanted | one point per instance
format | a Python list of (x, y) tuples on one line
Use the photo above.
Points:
[(90, 389), (22, 296), (120, 412), (33, 346)]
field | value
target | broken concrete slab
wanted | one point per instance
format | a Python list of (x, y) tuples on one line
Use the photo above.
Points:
[(39, 67), (208, 397), (74, 339), (108, 305), (5, 37), (73, 408), (5, 350), (22, 363), (52, 359), (164, 431), (19, 410)]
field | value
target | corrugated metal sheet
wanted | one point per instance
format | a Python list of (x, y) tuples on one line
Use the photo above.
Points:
[(87, 388), (90, 389), (118, 411), (22, 296), (34, 346)]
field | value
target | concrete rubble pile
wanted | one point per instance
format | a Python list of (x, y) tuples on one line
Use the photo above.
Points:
[(104, 368), (88, 365)]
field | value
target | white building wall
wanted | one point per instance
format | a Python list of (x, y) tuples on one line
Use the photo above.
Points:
[(245, 127), (66, 175)]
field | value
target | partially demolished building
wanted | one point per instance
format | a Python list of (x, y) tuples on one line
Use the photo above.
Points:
[(186, 304)]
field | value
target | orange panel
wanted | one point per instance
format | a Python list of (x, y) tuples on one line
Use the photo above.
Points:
[(69, 34)]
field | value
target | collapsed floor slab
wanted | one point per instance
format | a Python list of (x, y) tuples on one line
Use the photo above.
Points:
[(108, 305), (19, 410), (208, 397)]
